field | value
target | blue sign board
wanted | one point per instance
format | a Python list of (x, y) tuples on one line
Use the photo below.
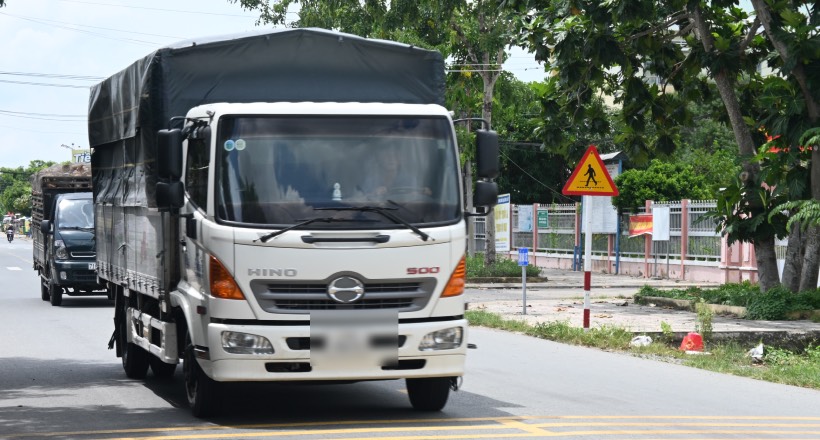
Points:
[(523, 256)]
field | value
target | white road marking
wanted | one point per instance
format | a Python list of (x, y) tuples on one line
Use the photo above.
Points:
[(13, 268)]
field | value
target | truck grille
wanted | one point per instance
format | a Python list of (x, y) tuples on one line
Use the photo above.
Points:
[(83, 254), (290, 297), (85, 276)]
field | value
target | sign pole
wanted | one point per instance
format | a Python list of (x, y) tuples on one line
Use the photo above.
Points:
[(590, 178), (523, 261), (524, 288), (587, 260)]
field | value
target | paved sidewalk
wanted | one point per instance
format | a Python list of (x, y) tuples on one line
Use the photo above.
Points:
[(561, 299)]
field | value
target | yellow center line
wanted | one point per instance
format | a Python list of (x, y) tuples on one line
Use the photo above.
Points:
[(700, 424), (532, 429), (680, 432), (326, 432), (271, 426), (444, 424)]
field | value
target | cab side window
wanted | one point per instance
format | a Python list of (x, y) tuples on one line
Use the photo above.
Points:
[(196, 173)]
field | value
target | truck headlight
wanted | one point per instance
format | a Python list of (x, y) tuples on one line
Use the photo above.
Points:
[(245, 343), (442, 339), (60, 251)]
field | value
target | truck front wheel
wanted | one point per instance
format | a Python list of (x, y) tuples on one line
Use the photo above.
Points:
[(55, 293), (429, 393), (44, 290), (134, 358), (202, 391)]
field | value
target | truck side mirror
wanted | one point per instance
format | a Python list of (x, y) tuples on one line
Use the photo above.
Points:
[(486, 154), (486, 194), (45, 226), (169, 154), (170, 195)]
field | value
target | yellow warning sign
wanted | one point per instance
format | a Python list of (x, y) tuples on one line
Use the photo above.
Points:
[(590, 177)]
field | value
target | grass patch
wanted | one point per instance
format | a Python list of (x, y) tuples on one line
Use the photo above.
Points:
[(503, 267), (606, 337), (779, 366), (774, 304)]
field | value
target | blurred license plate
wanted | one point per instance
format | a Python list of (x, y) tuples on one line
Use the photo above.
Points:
[(92, 266)]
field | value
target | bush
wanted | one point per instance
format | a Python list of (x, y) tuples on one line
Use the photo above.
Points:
[(772, 305), (727, 294), (503, 267)]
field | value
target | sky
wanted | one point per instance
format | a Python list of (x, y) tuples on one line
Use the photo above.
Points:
[(54, 51)]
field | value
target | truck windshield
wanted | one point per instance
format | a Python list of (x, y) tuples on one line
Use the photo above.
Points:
[(75, 214), (277, 170)]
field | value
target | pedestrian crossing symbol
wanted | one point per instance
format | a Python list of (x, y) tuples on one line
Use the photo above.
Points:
[(590, 177)]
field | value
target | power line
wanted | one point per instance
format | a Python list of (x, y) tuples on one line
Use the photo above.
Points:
[(108, 37), (42, 114), (159, 9), (89, 26), (533, 178), (40, 131), (29, 83), (55, 75), (42, 118)]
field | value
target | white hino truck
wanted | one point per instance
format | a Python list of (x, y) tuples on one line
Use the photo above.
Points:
[(285, 206)]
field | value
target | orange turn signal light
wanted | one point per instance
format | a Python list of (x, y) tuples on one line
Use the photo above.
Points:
[(222, 283), (455, 286)]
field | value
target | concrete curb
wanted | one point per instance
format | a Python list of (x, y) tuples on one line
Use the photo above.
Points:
[(689, 305)]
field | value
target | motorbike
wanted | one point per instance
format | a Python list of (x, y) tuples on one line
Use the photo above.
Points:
[(10, 235)]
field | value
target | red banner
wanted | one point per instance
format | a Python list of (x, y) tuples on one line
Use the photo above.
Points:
[(640, 224)]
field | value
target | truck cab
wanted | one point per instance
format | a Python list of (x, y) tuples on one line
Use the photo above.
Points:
[(70, 249)]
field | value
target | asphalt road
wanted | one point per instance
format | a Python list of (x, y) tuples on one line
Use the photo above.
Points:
[(58, 380)]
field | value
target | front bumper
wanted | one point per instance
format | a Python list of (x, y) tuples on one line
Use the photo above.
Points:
[(76, 273), (412, 363)]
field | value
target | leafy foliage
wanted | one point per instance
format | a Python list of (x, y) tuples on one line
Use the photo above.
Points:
[(15, 189), (503, 267), (660, 181), (775, 304)]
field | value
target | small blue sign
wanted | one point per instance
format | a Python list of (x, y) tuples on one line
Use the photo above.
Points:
[(523, 256)]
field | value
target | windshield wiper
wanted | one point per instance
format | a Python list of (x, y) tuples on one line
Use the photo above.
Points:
[(384, 212), (266, 237)]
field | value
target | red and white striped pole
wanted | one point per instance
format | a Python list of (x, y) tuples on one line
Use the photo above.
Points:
[(587, 214)]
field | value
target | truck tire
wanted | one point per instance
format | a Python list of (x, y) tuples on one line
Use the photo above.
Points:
[(44, 290), (429, 393), (55, 293), (134, 358), (202, 391)]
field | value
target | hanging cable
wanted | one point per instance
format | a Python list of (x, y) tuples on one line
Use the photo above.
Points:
[(558, 193)]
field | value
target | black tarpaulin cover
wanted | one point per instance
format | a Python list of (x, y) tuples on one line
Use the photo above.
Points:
[(293, 65)]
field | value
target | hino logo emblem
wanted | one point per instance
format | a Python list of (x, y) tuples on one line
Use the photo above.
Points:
[(345, 290), (272, 272)]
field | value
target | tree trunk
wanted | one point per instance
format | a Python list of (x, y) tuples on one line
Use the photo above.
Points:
[(811, 262), (808, 279), (764, 248), (794, 257), (766, 263), (489, 79)]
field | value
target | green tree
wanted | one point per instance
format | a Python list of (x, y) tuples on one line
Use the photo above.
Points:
[(653, 57), (15, 188), (661, 181)]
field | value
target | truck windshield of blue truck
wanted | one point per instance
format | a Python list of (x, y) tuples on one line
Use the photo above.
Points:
[(277, 170)]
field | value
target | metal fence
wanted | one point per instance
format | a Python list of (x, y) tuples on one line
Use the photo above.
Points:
[(703, 242)]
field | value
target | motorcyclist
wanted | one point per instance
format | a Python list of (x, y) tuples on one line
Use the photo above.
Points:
[(10, 233)]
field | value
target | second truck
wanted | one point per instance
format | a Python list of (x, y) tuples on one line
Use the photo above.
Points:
[(62, 222), (285, 206)]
